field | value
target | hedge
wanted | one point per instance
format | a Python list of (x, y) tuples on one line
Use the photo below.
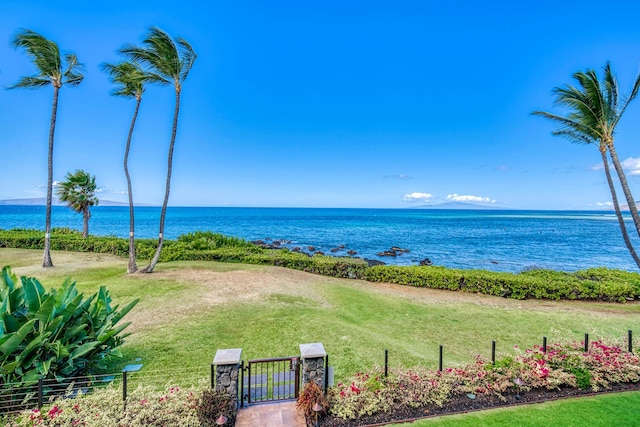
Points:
[(595, 284)]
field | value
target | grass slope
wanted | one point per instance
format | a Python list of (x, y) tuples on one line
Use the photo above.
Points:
[(190, 309)]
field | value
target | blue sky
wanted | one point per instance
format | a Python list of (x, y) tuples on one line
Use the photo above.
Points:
[(327, 104)]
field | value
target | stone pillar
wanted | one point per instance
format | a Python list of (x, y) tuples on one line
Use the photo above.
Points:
[(227, 364), (313, 368)]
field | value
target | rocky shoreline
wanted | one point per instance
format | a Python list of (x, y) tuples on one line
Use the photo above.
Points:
[(338, 251)]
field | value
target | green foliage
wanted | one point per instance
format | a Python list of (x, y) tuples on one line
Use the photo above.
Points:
[(598, 284), (583, 378), (55, 334)]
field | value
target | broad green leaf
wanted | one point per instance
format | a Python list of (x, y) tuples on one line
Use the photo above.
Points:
[(125, 310), (33, 345), (34, 293), (8, 368), (12, 344), (43, 366), (45, 312), (84, 349)]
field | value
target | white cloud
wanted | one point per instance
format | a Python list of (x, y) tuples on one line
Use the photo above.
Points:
[(417, 197), (467, 198), (604, 204), (632, 165), (502, 168)]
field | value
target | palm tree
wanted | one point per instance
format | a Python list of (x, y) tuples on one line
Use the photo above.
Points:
[(166, 62), (129, 79), (78, 191), (51, 71), (595, 111)]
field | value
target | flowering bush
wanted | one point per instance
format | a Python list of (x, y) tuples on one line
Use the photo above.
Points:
[(563, 365), (104, 408)]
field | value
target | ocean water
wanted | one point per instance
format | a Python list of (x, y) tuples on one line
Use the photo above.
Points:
[(497, 240)]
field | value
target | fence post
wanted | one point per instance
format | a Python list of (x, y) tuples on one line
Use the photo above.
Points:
[(40, 392), (586, 343), (124, 387), (386, 363), (544, 345), (326, 373), (313, 360), (440, 363), (630, 340), (213, 375), (493, 352)]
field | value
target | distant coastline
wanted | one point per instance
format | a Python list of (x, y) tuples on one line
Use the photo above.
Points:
[(42, 201)]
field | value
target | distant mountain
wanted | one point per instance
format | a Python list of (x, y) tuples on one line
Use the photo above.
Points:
[(41, 201), (458, 205)]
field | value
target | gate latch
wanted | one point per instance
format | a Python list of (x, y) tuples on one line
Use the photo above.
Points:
[(293, 363)]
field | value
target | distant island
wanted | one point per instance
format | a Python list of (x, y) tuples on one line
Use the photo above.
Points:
[(42, 201)]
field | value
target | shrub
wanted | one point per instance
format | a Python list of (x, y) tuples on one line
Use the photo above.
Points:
[(55, 334), (212, 404), (310, 395)]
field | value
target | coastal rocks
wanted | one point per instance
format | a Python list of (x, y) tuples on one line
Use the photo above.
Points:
[(311, 248), (352, 252), (373, 262), (426, 262), (394, 251)]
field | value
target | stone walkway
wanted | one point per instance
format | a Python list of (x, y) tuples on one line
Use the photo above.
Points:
[(270, 415)]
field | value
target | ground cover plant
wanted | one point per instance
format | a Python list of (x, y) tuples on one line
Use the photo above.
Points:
[(268, 311), (564, 369)]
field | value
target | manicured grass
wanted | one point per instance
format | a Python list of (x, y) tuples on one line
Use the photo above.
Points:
[(620, 409), (173, 328)]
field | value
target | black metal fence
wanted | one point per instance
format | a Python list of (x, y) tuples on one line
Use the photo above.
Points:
[(16, 397)]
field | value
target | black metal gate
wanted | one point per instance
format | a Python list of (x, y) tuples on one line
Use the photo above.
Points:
[(269, 380)]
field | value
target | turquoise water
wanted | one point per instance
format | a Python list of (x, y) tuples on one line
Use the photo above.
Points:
[(494, 240)]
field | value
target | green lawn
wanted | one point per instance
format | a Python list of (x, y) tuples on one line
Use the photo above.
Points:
[(190, 309), (620, 409)]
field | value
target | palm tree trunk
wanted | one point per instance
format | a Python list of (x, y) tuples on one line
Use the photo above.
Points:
[(132, 267), (85, 226), (625, 186), (149, 268), (616, 205), (46, 259)]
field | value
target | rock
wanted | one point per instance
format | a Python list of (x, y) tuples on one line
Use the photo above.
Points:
[(388, 253), (296, 249), (426, 261), (334, 250), (351, 252), (311, 248), (260, 243), (276, 243), (319, 253), (373, 262), (397, 249), (341, 247), (494, 261)]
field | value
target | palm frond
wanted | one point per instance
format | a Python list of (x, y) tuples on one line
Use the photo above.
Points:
[(33, 82), (128, 77)]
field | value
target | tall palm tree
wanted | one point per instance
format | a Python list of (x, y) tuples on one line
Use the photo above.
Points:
[(595, 109), (167, 62), (78, 191), (53, 71), (129, 79)]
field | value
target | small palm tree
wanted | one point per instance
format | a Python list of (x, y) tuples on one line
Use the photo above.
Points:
[(51, 71), (595, 109), (78, 191), (129, 79), (167, 62)]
